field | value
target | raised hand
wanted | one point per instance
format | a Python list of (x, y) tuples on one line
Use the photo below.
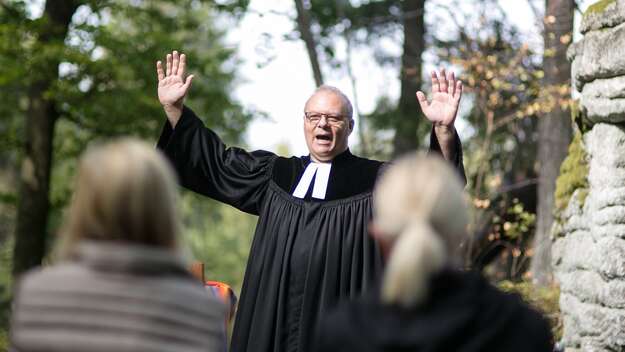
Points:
[(172, 85), (446, 93)]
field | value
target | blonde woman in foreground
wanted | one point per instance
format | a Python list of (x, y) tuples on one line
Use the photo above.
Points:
[(121, 284), (424, 303)]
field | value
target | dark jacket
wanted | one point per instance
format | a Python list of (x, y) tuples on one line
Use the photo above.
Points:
[(463, 313), (116, 297)]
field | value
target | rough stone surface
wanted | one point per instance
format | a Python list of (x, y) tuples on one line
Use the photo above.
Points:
[(589, 250), (610, 16), (602, 109), (599, 55)]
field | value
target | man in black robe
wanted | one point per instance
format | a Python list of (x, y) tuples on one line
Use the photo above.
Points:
[(311, 247)]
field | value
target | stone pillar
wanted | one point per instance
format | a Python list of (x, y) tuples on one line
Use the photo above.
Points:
[(589, 248)]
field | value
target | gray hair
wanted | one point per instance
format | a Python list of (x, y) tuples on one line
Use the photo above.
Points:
[(419, 205), (348, 110)]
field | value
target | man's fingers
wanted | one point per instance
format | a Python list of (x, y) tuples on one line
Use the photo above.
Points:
[(176, 62), (187, 84), (442, 79), (168, 67), (182, 66), (435, 84), (458, 92), (159, 70), (423, 101), (451, 77)]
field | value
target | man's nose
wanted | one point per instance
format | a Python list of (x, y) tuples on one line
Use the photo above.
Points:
[(323, 121)]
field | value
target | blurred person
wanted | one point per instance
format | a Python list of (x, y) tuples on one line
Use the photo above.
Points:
[(424, 302), (311, 247), (121, 283)]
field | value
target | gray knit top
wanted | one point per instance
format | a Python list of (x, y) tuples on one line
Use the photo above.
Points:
[(116, 297)]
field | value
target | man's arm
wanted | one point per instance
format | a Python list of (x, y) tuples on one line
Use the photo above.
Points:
[(442, 110), (172, 85), (446, 137), (202, 161)]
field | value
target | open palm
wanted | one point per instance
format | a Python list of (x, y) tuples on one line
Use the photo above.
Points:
[(446, 93), (172, 86)]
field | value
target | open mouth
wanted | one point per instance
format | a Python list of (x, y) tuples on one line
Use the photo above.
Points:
[(323, 138)]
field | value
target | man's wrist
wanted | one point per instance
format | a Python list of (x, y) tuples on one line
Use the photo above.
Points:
[(444, 130), (173, 112)]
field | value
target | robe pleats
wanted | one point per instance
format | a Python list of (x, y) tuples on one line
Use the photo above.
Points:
[(305, 257)]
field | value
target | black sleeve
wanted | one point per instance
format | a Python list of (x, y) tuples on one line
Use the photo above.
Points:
[(456, 159), (206, 166)]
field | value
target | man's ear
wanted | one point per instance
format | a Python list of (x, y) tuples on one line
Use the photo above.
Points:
[(351, 126)]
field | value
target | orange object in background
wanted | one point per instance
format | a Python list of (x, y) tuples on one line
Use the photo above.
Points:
[(218, 289), (226, 294)]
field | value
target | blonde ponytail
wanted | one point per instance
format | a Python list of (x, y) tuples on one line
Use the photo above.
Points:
[(419, 208), (416, 255)]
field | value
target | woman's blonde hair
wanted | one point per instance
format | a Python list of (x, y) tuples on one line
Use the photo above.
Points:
[(125, 192), (419, 205)]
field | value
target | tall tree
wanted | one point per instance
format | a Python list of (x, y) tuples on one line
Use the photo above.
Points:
[(371, 24), (41, 117), (554, 127), (303, 25), (86, 71), (406, 123)]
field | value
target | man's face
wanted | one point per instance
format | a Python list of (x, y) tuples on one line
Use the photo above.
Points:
[(327, 137)]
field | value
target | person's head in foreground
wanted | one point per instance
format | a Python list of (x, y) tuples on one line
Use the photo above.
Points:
[(424, 301), (126, 193), (121, 285), (328, 122)]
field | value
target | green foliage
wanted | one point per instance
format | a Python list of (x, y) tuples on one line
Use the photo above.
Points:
[(545, 299), (598, 7), (508, 237), (219, 236), (573, 175), (108, 83), (4, 340), (517, 223), (6, 248), (107, 88)]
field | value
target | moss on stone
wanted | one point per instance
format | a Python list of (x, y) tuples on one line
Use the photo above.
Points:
[(598, 7), (573, 175)]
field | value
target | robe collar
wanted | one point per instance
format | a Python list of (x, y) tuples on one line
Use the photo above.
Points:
[(340, 158), (317, 175)]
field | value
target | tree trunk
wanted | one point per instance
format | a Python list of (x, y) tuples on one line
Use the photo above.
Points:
[(34, 181), (407, 120), (554, 129), (303, 24)]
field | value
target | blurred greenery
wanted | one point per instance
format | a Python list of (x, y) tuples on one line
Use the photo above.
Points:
[(219, 236), (4, 341), (544, 299), (107, 88)]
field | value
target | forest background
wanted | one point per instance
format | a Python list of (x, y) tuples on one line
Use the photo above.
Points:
[(77, 71)]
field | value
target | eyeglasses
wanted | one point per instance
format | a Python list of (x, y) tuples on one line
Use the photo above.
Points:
[(315, 117)]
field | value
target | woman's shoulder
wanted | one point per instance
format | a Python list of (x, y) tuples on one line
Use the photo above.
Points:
[(76, 278), (53, 276)]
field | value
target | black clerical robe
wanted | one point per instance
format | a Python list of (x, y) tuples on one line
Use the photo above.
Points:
[(307, 253)]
